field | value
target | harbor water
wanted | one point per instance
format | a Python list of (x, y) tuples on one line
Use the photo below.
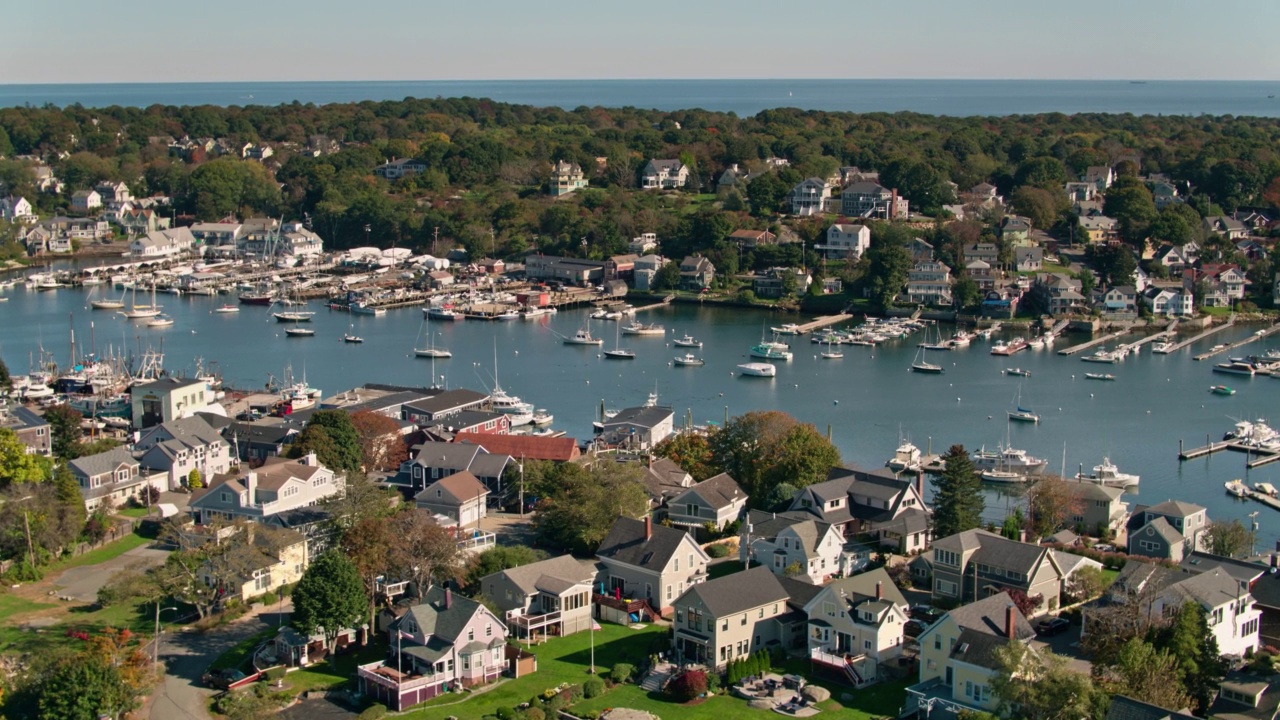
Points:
[(868, 400)]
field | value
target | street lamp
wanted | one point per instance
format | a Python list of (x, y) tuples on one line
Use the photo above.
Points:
[(155, 647)]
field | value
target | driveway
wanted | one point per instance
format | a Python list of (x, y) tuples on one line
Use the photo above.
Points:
[(186, 656), (83, 583), (317, 710)]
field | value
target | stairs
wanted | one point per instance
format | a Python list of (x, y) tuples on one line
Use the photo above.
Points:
[(657, 678)]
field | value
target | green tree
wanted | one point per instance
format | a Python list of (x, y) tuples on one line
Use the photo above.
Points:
[(578, 515), (1177, 224), (764, 449), (888, 270), (1227, 538), (6, 382), (965, 292), (1192, 643), (957, 495), (1039, 684), (1130, 203), (1040, 205), (369, 543), (16, 464), (667, 277), (765, 194), (1086, 583), (329, 598), (84, 688), (331, 435), (64, 425), (1041, 172), (1144, 673), (691, 451), (499, 558), (194, 480)]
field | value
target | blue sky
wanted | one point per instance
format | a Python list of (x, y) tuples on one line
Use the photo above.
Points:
[(155, 41)]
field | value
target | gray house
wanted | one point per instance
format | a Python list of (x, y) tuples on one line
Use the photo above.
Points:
[(1170, 530), (551, 597), (1098, 507), (976, 564), (650, 562), (730, 617), (718, 500), (871, 502), (113, 476)]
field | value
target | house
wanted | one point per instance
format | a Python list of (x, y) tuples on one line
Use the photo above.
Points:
[(1097, 508), (1118, 301), (114, 476), (1227, 227), (45, 180), (856, 624), (16, 209), (984, 193), (957, 656), (653, 563), (646, 269), (256, 151), (792, 544), (444, 641), (1168, 531), (278, 486), (397, 169), (438, 405), (264, 560), (1102, 176), (728, 618), (1015, 229), (162, 243), (524, 447), (773, 282), (1100, 228), (178, 447), (696, 273), (975, 564), (1164, 194), (566, 177), (982, 273), (575, 271), (169, 398), (85, 201), (32, 430), (437, 460), (809, 197), (1228, 279), (113, 194), (640, 428), (846, 241), (1174, 258), (664, 175), (1126, 708), (929, 283), (1246, 695), (460, 497), (550, 597), (715, 501), (865, 199), (620, 267), (220, 234), (731, 177), (254, 443), (140, 221), (876, 503), (1081, 191), (645, 243), (752, 238), (1168, 301), (663, 480), (920, 249), (1028, 259)]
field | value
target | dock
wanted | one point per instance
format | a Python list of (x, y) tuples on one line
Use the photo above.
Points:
[(1170, 330), (824, 321), (665, 302), (1239, 343), (1094, 342), (1203, 335), (1265, 499), (1254, 457)]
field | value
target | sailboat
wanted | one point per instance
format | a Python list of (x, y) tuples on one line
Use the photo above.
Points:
[(999, 467), (1022, 414), (831, 353), (293, 316), (351, 336), (922, 365), (618, 352), (517, 411), (105, 304), (431, 351), (137, 311)]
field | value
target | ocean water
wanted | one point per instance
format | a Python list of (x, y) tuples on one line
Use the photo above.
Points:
[(744, 97)]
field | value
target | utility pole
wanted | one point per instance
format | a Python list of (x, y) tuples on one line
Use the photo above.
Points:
[(435, 240)]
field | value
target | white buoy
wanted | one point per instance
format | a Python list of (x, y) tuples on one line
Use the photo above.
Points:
[(835, 402)]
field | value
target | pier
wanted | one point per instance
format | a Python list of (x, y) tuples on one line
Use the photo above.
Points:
[(1263, 457), (1170, 330), (1265, 499), (1096, 341), (665, 302), (824, 321), (1201, 336), (1239, 343)]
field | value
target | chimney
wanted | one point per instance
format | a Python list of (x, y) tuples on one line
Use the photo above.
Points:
[(650, 461), (1022, 535), (648, 527), (448, 601), (893, 205), (1275, 561), (920, 486), (251, 484), (1009, 625), (879, 590)]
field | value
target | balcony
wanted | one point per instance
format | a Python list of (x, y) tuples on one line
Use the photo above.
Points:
[(477, 541)]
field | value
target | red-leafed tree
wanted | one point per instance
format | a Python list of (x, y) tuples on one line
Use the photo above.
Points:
[(1027, 604), (380, 441)]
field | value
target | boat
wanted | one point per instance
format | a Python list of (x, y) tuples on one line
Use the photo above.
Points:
[(442, 313), (227, 309), (757, 370), (831, 353), (1017, 372), (257, 297), (360, 307), (584, 337), (299, 332), (1237, 488), (1101, 356), (1234, 367), (922, 365), (160, 321), (1221, 390), (905, 459), (1267, 489), (788, 329), (1099, 376), (105, 304), (293, 316), (1007, 458), (138, 312), (1002, 476), (687, 341), (353, 339), (1008, 348), (1021, 414), (771, 349), (689, 360), (1108, 474), (430, 351), (1255, 434), (1162, 348), (542, 418), (518, 412), (618, 352), (638, 328)]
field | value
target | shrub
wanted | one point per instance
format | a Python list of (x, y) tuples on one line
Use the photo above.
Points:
[(373, 712), (573, 693), (751, 665), (762, 660), (276, 674), (557, 703), (733, 673), (622, 672), (505, 713), (593, 687), (713, 682), (688, 685), (534, 713), (718, 550), (269, 599)]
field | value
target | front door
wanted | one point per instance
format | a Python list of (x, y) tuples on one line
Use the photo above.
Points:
[(947, 680), (844, 643)]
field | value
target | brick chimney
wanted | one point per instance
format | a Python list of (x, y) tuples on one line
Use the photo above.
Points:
[(448, 599), (893, 204), (1009, 625), (920, 487), (648, 527), (879, 590)]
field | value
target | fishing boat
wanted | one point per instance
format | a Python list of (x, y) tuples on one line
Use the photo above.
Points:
[(1237, 488), (1221, 390), (542, 418), (1099, 376), (507, 316), (1017, 372), (618, 352), (687, 341), (1234, 367), (1102, 356), (584, 336), (1007, 458), (788, 329), (757, 370), (771, 349), (361, 307), (532, 313), (922, 365), (442, 313), (689, 360), (1162, 348), (160, 321), (638, 328), (1108, 474), (299, 332), (227, 309)]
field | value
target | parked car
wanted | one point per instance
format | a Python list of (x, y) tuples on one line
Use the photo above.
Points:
[(222, 679), (1052, 626), (927, 613), (914, 627)]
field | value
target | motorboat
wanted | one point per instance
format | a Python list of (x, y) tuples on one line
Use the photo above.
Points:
[(442, 313), (517, 411), (508, 315), (1237, 488), (1108, 474), (1102, 356), (689, 360), (432, 352), (771, 351), (1257, 434), (1009, 348), (227, 309), (831, 354), (1017, 372), (905, 459), (1007, 458), (757, 370), (299, 332), (361, 307), (1267, 489), (1099, 376), (1002, 476), (352, 339), (160, 321), (1234, 367), (638, 328), (584, 337), (531, 313), (1221, 390), (542, 418), (1162, 348), (788, 329), (687, 341)]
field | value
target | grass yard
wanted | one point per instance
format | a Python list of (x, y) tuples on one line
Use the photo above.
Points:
[(331, 677), (102, 554), (134, 512), (11, 605), (1108, 577), (559, 660), (238, 655)]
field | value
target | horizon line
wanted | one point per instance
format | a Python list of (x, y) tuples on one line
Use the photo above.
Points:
[(646, 79)]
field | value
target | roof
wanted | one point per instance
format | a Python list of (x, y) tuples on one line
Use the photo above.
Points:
[(663, 478), (445, 401), (1163, 529), (22, 417), (1126, 708), (457, 489), (167, 384), (799, 592), (1242, 570), (538, 575), (646, 417), (988, 616), (720, 491), (994, 550), (559, 449), (1210, 589), (1175, 508), (626, 544), (736, 592), (857, 589), (434, 619), (978, 648), (103, 462)]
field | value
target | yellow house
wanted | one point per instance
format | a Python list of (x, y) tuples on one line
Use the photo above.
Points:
[(263, 559), (957, 655)]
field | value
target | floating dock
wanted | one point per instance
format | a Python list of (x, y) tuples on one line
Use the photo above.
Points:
[(1203, 335), (1239, 343), (1255, 457), (824, 321), (665, 302), (1265, 499), (1094, 342)]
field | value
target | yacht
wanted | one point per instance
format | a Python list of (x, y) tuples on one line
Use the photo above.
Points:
[(508, 315), (530, 312), (137, 312), (638, 328), (542, 418), (583, 337), (1101, 356), (160, 321), (1255, 434), (1002, 476), (430, 351), (1162, 348), (618, 352), (1108, 474), (905, 459), (352, 339), (687, 341), (788, 329), (105, 304), (831, 353), (771, 350), (257, 297), (757, 370), (689, 360), (1021, 414), (1234, 367), (442, 313), (293, 316), (1017, 372), (1099, 376), (299, 332), (517, 411), (1010, 459), (227, 309)]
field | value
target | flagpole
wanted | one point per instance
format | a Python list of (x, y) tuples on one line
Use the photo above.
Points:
[(398, 636)]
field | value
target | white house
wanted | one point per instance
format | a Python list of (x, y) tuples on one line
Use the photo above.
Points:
[(792, 543), (85, 201), (179, 446), (664, 174), (162, 243), (16, 209), (845, 241), (863, 615), (929, 283), (810, 197)]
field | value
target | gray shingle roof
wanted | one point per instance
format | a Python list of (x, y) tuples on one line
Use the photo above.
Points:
[(737, 592), (434, 619), (1126, 708), (988, 616), (646, 417), (566, 567), (626, 544), (1175, 508), (994, 550), (719, 492), (103, 462)]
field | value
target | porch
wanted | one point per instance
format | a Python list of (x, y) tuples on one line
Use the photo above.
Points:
[(856, 670), (397, 689)]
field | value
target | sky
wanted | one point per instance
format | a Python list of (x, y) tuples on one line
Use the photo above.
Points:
[(78, 41)]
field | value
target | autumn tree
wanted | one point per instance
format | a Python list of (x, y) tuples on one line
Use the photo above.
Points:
[(1052, 504), (957, 495), (497, 559), (1026, 604), (1227, 538), (691, 451), (380, 442), (763, 449), (578, 515), (370, 543), (104, 679), (425, 552), (1037, 683)]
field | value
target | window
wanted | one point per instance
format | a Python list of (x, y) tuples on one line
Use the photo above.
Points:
[(829, 609), (866, 644), (937, 641), (471, 635), (744, 621), (668, 592), (945, 587), (677, 568), (691, 510), (724, 626), (947, 557), (690, 561), (488, 630)]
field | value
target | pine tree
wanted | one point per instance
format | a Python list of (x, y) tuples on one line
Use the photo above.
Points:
[(957, 495)]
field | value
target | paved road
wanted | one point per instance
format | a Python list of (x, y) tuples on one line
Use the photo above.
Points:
[(317, 710), (83, 583), (186, 656)]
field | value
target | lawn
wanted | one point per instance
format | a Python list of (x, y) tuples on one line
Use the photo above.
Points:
[(559, 660), (102, 554), (134, 512), (11, 605), (330, 677), (238, 655)]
